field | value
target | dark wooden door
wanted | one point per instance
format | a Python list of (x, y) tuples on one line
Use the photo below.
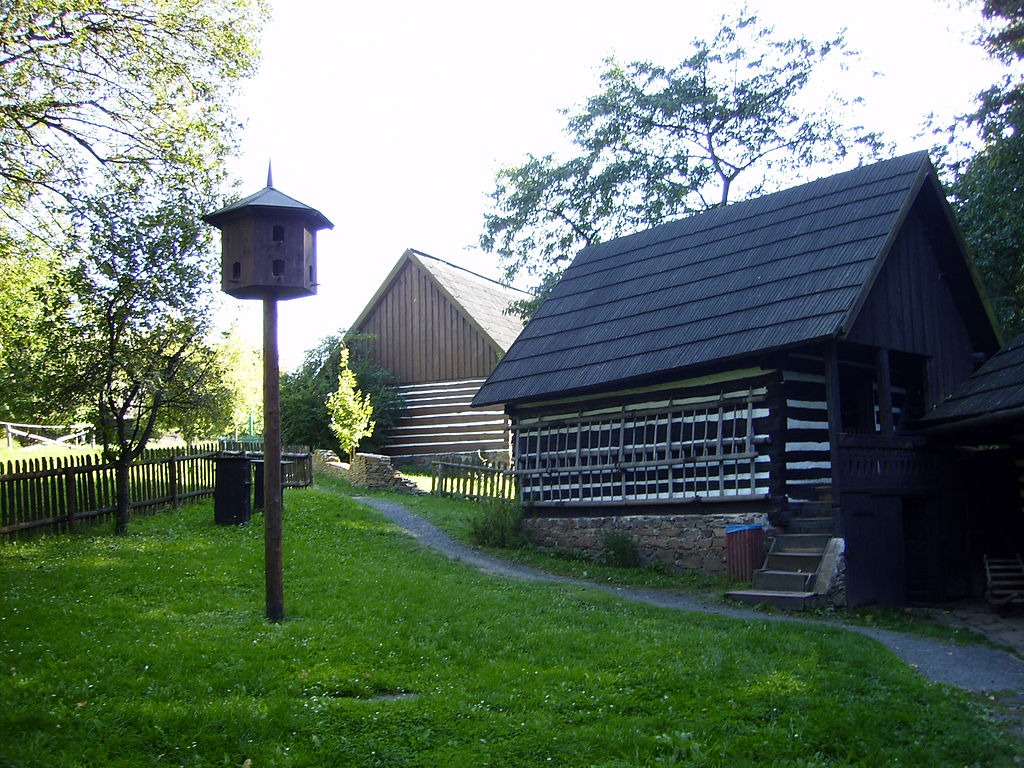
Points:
[(875, 553)]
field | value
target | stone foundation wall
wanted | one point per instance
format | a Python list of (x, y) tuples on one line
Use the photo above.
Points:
[(678, 542)]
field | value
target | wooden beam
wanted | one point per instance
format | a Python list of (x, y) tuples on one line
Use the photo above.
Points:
[(835, 423), (883, 380)]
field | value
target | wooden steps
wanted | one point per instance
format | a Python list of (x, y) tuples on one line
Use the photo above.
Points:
[(1004, 579), (787, 601), (787, 578)]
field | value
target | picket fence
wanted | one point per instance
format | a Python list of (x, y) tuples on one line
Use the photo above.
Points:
[(59, 493), (472, 481)]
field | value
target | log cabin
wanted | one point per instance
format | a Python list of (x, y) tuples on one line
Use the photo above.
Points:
[(440, 330), (763, 365)]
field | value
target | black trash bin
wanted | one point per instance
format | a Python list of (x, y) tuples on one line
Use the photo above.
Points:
[(258, 464), (231, 490)]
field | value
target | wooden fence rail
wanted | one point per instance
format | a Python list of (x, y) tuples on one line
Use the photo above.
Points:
[(59, 492), (472, 481)]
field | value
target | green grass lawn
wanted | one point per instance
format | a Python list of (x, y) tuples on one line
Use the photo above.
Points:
[(153, 650), (453, 516)]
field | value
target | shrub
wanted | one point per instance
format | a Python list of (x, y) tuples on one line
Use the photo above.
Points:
[(618, 549), (497, 525)]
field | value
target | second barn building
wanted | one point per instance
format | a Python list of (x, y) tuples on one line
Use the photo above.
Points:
[(440, 329)]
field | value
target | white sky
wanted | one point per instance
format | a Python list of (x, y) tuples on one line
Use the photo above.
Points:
[(392, 117)]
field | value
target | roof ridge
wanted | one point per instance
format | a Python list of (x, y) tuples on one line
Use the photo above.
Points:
[(421, 254), (710, 220)]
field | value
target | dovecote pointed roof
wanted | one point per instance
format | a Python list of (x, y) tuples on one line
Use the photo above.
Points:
[(267, 199), (787, 269)]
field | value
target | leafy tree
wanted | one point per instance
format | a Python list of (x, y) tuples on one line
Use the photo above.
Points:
[(304, 393), (127, 323), (987, 187), (1006, 39), (117, 83), (659, 142), (24, 276), (350, 410), (243, 367), (93, 89)]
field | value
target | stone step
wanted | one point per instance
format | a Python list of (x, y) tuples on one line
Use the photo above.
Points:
[(797, 562), (788, 601), (781, 581), (801, 542)]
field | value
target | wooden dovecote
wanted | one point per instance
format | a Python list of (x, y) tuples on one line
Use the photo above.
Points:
[(268, 245)]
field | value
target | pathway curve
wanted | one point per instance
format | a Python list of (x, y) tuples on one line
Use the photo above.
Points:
[(977, 668)]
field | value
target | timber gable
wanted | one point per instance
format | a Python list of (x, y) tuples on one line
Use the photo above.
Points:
[(440, 330)]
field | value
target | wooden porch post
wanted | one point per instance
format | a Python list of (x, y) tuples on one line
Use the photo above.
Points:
[(883, 377), (835, 425)]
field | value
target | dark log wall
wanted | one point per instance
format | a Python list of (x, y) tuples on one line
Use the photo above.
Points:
[(424, 337), (911, 309)]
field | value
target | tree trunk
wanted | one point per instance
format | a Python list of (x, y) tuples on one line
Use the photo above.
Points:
[(122, 476)]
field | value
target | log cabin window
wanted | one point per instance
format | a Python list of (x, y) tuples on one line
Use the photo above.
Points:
[(681, 450)]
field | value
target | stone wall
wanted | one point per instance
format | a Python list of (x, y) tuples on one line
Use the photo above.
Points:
[(371, 470), (678, 542)]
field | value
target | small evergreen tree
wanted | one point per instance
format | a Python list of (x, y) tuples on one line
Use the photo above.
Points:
[(351, 412)]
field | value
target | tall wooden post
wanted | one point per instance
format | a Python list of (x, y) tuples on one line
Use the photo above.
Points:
[(268, 252), (273, 506)]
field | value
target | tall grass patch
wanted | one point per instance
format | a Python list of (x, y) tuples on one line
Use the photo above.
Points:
[(497, 524)]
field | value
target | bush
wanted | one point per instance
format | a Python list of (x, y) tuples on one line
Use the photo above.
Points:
[(619, 550), (497, 525)]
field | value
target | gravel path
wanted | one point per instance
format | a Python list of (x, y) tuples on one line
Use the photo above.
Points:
[(975, 668)]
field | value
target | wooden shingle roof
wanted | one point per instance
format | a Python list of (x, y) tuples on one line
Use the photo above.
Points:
[(483, 299), (993, 394), (770, 273)]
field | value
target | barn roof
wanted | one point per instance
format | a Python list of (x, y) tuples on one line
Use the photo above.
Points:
[(770, 273), (483, 301), (994, 393)]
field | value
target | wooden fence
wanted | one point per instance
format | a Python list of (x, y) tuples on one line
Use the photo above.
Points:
[(473, 481), (57, 493)]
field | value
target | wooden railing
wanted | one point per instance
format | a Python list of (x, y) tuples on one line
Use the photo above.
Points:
[(873, 465), (58, 493), (472, 481), (297, 466)]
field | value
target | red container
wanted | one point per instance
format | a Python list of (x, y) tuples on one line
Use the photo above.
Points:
[(744, 550)]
